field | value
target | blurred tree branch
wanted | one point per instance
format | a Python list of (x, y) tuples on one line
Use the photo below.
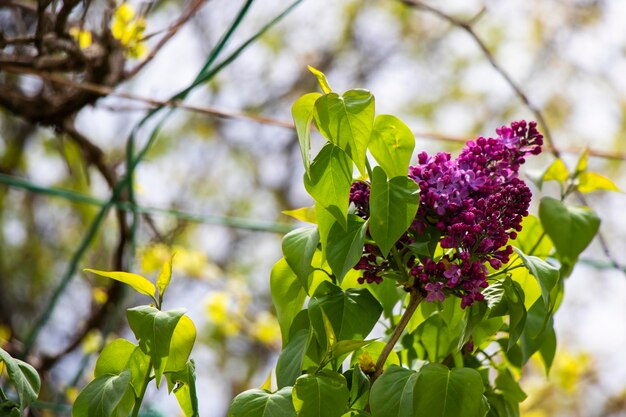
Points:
[(467, 27), (191, 10), (228, 114)]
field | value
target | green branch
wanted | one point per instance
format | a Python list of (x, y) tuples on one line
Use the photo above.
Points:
[(415, 298), (227, 221)]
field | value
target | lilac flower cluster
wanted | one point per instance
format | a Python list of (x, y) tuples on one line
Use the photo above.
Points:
[(476, 202)]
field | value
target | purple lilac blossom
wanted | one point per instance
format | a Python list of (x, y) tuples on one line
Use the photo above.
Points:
[(476, 201)]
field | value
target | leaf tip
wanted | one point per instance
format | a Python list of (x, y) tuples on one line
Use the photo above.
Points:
[(321, 79)]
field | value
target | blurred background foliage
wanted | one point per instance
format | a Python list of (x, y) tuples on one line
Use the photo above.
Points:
[(213, 185)]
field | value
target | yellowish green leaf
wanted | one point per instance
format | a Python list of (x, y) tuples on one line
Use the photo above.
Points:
[(164, 277), (5, 334), (582, 164), (139, 283), (304, 214), (557, 171), (183, 338), (591, 181), (267, 385), (331, 338), (321, 79)]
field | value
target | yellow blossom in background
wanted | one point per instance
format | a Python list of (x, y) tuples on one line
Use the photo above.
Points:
[(266, 329), (239, 290), (128, 29), (92, 342), (153, 257), (71, 393), (219, 309), (562, 392), (5, 335), (536, 413), (82, 36), (99, 295), (569, 369), (231, 328), (192, 263)]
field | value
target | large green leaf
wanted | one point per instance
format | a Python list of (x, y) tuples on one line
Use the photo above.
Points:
[(183, 338), (101, 397), (302, 112), (345, 247), (571, 229), (298, 249), (163, 280), (343, 347), (494, 294), (506, 383), (154, 330), (393, 205), (325, 220), (499, 406), (359, 387), (392, 393), (538, 329), (321, 395), (139, 283), (514, 298), (352, 313), (9, 408), (114, 357), (546, 274), (392, 145), (289, 366), (23, 377), (260, 403), (474, 316), (436, 336), (139, 365), (528, 284), (548, 349), (532, 240), (330, 180), (287, 294), (121, 354), (440, 392), (486, 330), (347, 122), (388, 294), (183, 383)]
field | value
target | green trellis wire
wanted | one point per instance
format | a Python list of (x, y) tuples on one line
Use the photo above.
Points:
[(206, 73), (76, 197)]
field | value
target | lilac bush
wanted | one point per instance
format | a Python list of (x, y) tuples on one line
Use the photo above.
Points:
[(473, 204)]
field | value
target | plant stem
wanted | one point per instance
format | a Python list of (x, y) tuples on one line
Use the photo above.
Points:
[(536, 245), (139, 400), (415, 298)]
